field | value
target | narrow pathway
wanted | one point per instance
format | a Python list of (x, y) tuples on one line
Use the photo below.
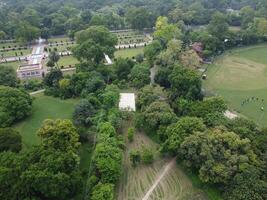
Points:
[(36, 92), (157, 181)]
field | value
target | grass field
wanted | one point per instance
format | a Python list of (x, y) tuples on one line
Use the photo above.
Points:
[(136, 181), (238, 75), (129, 53), (44, 107), (14, 65), (15, 53), (67, 60)]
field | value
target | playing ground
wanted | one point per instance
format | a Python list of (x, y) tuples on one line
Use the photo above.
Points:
[(240, 77)]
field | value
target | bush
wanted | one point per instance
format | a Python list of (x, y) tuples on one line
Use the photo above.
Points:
[(131, 133), (147, 156), (135, 157)]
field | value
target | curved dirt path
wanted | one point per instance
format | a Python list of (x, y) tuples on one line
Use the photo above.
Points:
[(157, 181)]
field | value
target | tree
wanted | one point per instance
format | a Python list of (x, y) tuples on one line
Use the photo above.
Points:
[(219, 155), (26, 32), (139, 18), (10, 140), (111, 96), (172, 54), (176, 133), (52, 78), (60, 135), (83, 113), (247, 185), (8, 76), (148, 95), (15, 105), (93, 43), (130, 134), (135, 157), (140, 75), (122, 68), (2, 35), (211, 110), (247, 16), (103, 192), (147, 156), (152, 50), (190, 59), (54, 57), (218, 26), (165, 31), (65, 88), (185, 83), (155, 119)]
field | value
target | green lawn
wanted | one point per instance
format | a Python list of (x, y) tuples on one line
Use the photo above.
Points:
[(13, 53), (129, 53), (9, 44), (238, 75), (67, 60), (44, 107), (14, 65)]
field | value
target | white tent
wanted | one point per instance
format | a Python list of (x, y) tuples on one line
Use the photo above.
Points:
[(127, 102)]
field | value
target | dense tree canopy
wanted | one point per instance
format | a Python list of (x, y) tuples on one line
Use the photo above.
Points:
[(15, 105)]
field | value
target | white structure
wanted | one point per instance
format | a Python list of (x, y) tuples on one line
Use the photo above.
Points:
[(34, 67), (108, 60), (230, 115), (127, 102)]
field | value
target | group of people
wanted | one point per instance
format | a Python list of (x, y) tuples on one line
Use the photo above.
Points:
[(248, 100)]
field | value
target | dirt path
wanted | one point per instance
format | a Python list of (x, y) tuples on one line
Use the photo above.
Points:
[(157, 181)]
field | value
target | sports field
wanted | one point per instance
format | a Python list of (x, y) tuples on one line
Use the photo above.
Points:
[(240, 77)]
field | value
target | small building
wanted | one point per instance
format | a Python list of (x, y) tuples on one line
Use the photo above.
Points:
[(127, 102)]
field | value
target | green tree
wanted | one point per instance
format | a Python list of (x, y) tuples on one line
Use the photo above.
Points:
[(176, 133), (135, 157), (165, 31), (26, 32), (103, 192), (218, 26), (140, 75), (156, 118), (185, 83), (10, 140), (152, 51), (8, 76), (93, 43), (15, 105), (130, 134), (139, 18), (147, 156), (219, 155), (60, 135), (122, 68), (54, 57)]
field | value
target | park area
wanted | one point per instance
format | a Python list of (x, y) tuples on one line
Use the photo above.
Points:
[(240, 77)]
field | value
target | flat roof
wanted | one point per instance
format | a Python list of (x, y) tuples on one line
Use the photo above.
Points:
[(127, 102)]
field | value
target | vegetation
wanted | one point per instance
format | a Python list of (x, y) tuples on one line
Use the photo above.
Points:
[(95, 150)]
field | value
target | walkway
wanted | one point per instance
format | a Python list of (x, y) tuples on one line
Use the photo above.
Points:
[(157, 181)]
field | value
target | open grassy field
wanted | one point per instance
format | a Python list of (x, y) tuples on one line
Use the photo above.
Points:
[(14, 65), (137, 181), (67, 60), (240, 75), (129, 53), (44, 107)]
